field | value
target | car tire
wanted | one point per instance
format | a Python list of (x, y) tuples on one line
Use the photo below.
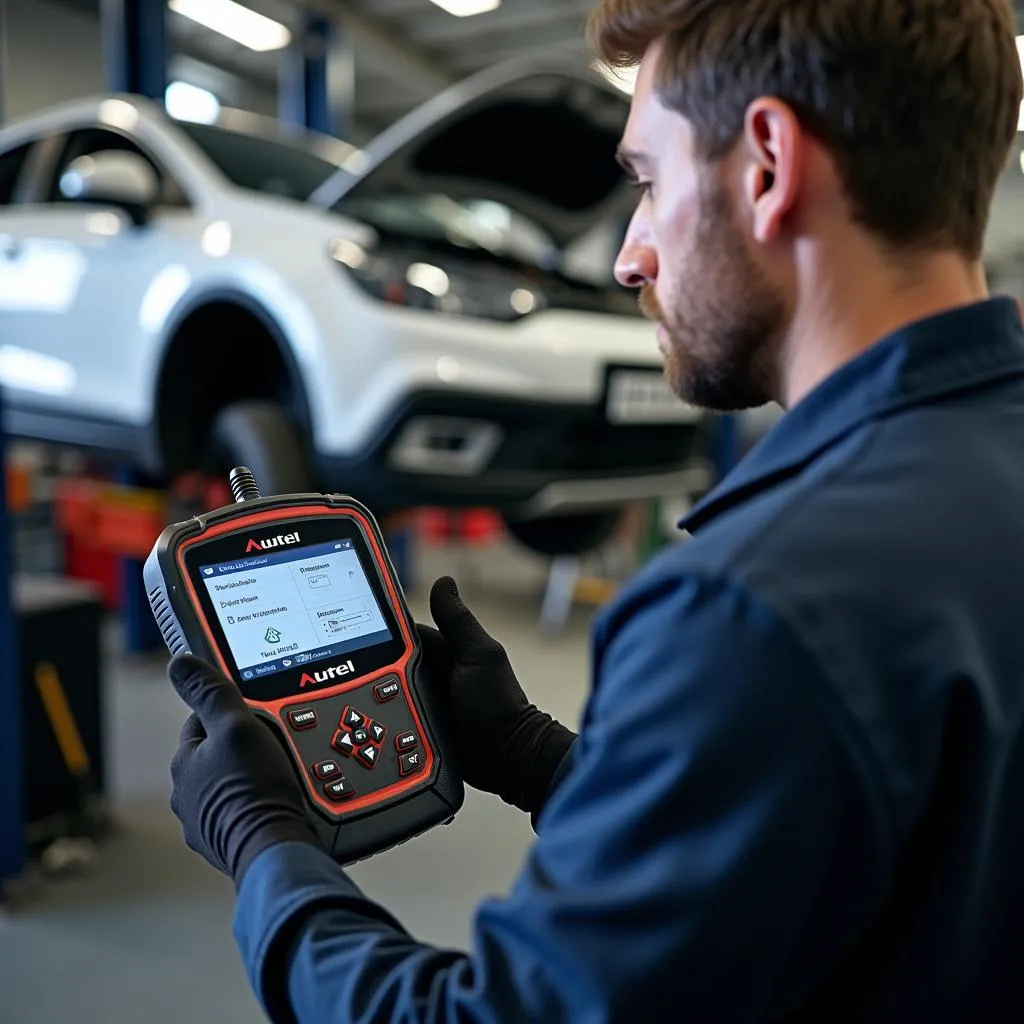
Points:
[(575, 534), (260, 435)]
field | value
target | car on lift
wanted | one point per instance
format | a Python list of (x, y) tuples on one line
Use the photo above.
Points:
[(427, 320)]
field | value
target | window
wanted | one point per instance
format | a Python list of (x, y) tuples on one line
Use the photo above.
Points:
[(11, 164), (262, 165), (87, 141)]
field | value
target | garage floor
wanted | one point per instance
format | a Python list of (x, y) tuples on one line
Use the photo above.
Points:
[(146, 934)]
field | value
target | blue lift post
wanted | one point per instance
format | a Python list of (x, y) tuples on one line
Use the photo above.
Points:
[(12, 819), (135, 46), (317, 78)]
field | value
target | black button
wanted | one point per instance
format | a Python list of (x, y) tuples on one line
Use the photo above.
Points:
[(369, 756), (342, 742), (327, 770), (409, 763), (378, 731), (407, 741), (360, 736), (387, 691), (340, 790), (352, 718), (303, 718)]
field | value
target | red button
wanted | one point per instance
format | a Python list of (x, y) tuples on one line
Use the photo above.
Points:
[(387, 691), (369, 755), (351, 718), (407, 741), (327, 769), (343, 744), (302, 718), (340, 790), (409, 763)]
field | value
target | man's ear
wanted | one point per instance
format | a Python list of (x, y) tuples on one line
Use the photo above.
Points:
[(774, 145)]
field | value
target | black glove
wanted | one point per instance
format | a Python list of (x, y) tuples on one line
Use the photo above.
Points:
[(235, 791), (505, 745)]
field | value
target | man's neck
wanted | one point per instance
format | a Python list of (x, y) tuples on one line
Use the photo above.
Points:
[(848, 312)]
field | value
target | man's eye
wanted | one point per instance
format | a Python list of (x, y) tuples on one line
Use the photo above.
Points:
[(643, 187)]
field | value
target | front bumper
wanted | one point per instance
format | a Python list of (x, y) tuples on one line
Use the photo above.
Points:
[(545, 459)]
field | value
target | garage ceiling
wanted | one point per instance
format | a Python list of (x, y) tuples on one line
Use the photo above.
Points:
[(404, 50)]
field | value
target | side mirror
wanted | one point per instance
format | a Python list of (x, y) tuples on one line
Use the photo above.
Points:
[(113, 178)]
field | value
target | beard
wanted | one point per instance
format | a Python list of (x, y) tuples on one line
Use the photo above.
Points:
[(725, 330)]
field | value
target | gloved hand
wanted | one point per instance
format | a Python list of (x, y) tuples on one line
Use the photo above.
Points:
[(505, 744), (235, 791)]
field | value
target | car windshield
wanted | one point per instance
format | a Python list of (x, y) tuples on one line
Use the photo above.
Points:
[(260, 164)]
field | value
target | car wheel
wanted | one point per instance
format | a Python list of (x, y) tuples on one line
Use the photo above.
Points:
[(260, 435), (565, 535)]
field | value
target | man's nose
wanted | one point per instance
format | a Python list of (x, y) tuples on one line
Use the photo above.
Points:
[(636, 265)]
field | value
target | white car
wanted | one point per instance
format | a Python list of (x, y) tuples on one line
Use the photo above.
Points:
[(428, 320)]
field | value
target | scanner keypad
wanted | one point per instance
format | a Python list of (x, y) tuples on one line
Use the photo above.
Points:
[(361, 743)]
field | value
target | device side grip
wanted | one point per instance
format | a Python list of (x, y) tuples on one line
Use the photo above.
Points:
[(160, 603)]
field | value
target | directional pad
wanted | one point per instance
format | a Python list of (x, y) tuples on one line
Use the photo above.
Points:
[(359, 737)]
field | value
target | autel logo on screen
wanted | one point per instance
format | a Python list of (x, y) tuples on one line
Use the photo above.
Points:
[(271, 542)]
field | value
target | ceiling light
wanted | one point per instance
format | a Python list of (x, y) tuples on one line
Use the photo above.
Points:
[(236, 22), (621, 78), (186, 102), (467, 8)]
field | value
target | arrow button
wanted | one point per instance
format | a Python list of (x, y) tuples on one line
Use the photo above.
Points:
[(368, 755), (342, 742), (353, 719), (378, 730)]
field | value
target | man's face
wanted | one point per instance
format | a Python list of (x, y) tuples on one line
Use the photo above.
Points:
[(721, 319)]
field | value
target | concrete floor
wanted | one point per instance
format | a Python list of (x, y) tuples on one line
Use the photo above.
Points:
[(145, 935)]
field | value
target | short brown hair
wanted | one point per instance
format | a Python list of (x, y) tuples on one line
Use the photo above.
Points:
[(917, 100)]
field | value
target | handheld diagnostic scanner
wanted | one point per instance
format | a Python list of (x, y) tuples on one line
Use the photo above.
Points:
[(294, 597)]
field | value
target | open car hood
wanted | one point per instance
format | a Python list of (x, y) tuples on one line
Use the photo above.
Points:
[(536, 137)]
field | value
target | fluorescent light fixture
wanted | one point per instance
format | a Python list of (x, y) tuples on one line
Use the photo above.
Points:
[(467, 8), (621, 78), (236, 22), (186, 102)]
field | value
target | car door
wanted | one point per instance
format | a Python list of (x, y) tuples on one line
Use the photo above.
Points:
[(76, 287)]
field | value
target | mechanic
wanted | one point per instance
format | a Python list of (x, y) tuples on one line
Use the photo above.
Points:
[(796, 792)]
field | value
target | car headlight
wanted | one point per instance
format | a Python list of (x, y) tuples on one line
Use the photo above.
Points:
[(476, 290)]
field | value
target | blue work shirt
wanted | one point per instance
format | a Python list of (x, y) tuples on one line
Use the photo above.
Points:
[(798, 791)]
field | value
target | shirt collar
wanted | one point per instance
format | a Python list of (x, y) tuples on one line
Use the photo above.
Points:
[(953, 351)]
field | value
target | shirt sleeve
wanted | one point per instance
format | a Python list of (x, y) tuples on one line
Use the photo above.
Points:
[(715, 848)]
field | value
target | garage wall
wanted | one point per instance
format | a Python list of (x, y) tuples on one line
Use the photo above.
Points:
[(51, 54)]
